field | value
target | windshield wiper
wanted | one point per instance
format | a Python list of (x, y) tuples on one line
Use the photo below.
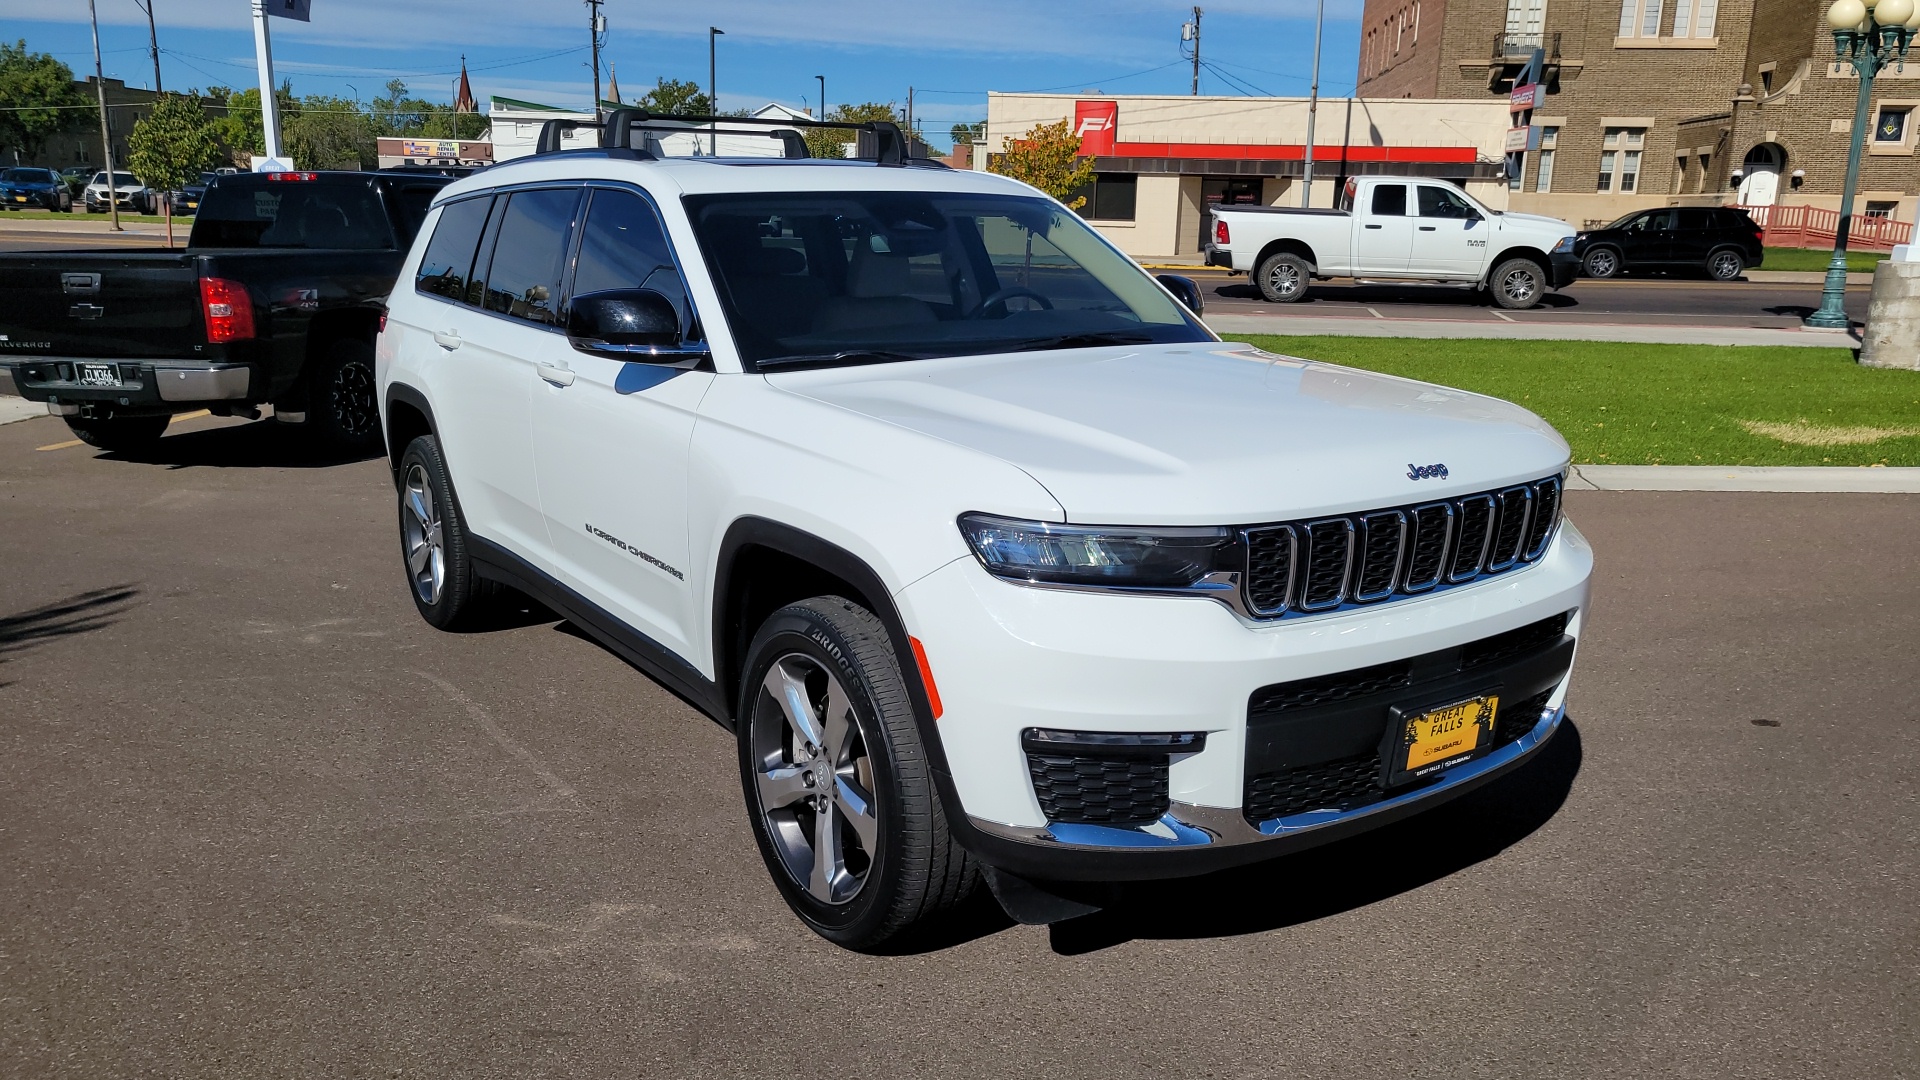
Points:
[(835, 359), (1084, 340)]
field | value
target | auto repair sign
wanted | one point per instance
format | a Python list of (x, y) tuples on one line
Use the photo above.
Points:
[(1096, 122)]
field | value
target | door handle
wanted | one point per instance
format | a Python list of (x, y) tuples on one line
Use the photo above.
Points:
[(1427, 228), (449, 339), (1373, 226), (558, 376)]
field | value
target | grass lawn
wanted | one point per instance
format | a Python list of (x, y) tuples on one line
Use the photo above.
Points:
[(1778, 258), (1667, 404), (82, 215)]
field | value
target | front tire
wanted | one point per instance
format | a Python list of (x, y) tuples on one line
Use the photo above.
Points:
[(434, 542), (837, 782), (341, 398), (1283, 278), (1518, 284), (119, 434), (1725, 265), (1601, 262)]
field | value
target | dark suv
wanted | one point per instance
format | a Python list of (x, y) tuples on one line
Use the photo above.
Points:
[(1720, 240)]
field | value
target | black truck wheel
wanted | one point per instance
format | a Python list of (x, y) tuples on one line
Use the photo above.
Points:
[(341, 398), (119, 433)]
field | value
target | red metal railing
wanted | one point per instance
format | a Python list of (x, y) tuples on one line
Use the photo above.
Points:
[(1813, 227)]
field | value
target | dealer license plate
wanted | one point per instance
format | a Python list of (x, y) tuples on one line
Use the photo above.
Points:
[(193, 206), (19, 198), (1437, 738), (99, 375)]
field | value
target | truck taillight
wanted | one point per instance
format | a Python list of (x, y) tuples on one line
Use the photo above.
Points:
[(1220, 234), (229, 310)]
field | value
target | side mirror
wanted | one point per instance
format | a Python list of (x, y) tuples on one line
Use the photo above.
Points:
[(1183, 290), (639, 325)]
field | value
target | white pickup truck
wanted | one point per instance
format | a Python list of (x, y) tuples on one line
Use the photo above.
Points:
[(1392, 228)]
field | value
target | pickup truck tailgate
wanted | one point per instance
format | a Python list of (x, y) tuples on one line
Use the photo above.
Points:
[(110, 305)]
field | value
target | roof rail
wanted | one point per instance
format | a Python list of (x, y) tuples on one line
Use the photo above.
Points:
[(617, 131)]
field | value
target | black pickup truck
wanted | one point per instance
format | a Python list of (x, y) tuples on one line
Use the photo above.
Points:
[(276, 300)]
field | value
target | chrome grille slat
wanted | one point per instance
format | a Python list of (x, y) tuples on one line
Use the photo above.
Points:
[(1378, 556)]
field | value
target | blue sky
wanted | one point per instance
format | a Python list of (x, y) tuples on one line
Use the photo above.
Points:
[(869, 50)]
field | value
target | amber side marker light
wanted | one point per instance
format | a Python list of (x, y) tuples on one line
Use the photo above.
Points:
[(926, 675)]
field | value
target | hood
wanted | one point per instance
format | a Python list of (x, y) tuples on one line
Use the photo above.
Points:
[(1538, 221), (1201, 433)]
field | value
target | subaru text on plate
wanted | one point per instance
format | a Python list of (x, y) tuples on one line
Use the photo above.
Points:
[(998, 563)]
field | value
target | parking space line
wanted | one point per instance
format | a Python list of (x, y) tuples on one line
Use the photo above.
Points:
[(71, 443), (191, 415), (1504, 315), (59, 445), (1376, 313)]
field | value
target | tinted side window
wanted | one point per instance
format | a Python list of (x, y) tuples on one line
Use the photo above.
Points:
[(1438, 202), (1691, 218), (524, 278), (1390, 200), (410, 205), (448, 261), (622, 246)]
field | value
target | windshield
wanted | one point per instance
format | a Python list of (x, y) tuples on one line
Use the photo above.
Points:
[(26, 176), (120, 179), (830, 277)]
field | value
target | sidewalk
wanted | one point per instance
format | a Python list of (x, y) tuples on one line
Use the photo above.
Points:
[(1516, 330), (1742, 478)]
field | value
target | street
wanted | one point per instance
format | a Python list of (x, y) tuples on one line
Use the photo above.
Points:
[(260, 820)]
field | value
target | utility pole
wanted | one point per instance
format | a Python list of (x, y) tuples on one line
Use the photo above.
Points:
[(823, 96), (106, 138), (153, 41), (713, 92), (1195, 27), (1313, 105), (909, 120), (596, 27)]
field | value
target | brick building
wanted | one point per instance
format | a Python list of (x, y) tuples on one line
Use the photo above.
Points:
[(1654, 102)]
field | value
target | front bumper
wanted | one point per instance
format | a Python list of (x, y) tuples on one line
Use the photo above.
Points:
[(144, 384), (1007, 658), (1565, 267), (24, 200)]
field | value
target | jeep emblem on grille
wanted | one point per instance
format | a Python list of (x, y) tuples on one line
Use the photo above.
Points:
[(1426, 472)]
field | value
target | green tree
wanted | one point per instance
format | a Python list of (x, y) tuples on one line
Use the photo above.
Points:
[(40, 100), (968, 134), (170, 146), (1047, 157), (836, 142), (674, 96), (330, 133), (241, 130)]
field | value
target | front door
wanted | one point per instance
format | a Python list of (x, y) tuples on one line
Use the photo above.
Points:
[(610, 438), (1449, 236), (1383, 242), (1647, 240)]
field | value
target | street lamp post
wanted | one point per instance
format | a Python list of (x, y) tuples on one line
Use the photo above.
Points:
[(713, 88), (1869, 35)]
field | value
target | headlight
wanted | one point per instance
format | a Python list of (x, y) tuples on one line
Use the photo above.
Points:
[(1564, 246), (1111, 556)]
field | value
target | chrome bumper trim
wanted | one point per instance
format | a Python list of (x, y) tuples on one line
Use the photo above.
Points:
[(1188, 825)]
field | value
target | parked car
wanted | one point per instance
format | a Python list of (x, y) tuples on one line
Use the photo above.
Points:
[(1720, 240), (23, 188), (995, 560), (128, 192), (186, 201), (1391, 228), (76, 178), (276, 299)]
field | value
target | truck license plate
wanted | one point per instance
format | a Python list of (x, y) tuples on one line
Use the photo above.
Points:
[(1437, 738), (99, 375)]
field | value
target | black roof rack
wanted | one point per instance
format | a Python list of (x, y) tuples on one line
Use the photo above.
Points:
[(889, 146)]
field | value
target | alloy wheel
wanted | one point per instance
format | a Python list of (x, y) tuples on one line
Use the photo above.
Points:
[(1518, 286), (352, 400), (814, 779), (1600, 264), (423, 536), (1726, 266), (1284, 279)]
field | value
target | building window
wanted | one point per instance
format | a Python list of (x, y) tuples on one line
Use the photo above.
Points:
[(1526, 18), (1691, 18), (1680, 173), (1620, 160), (1110, 197), (1543, 176), (1706, 169), (1879, 209)]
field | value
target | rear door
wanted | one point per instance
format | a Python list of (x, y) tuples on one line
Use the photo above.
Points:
[(1693, 235), (610, 438), (1383, 236), (1449, 235)]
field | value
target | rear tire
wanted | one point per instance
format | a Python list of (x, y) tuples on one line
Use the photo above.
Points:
[(1725, 265), (119, 433), (837, 783), (434, 543), (341, 398), (1601, 262), (1283, 278), (1518, 284)]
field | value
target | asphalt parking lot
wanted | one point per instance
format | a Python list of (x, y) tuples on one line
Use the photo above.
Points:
[(258, 820)]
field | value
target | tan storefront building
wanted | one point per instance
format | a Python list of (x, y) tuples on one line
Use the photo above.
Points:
[(1161, 160)]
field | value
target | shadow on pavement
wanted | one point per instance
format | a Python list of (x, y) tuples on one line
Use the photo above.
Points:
[(1343, 875), (79, 614), (258, 445), (1434, 296)]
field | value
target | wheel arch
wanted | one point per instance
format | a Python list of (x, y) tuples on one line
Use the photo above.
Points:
[(1288, 245), (408, 416), (1520, 251)]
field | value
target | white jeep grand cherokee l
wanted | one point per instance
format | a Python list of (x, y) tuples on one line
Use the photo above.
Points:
[(998, 562)]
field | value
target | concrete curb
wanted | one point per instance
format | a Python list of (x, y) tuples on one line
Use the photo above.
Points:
[(98, 224), (13, 408), (1802, 277), (1626, 333), (1826, 478)]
